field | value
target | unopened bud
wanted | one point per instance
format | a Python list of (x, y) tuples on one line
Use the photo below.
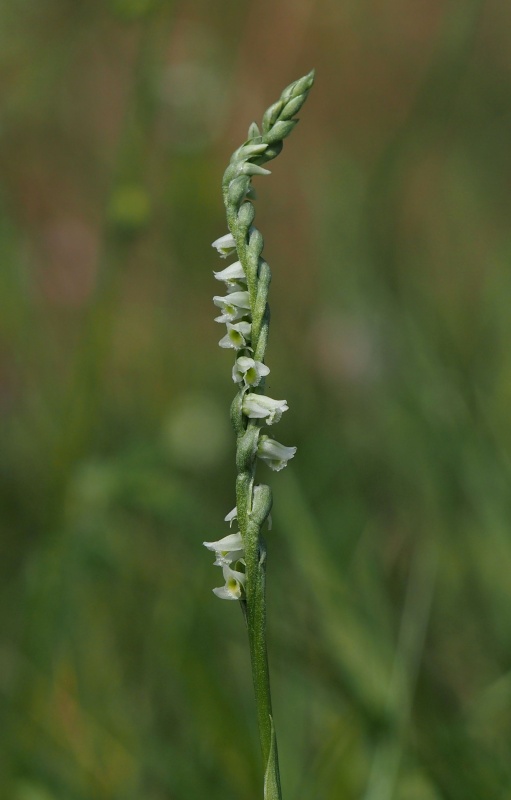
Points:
[(280, 130), (262, 501), (271, 114)]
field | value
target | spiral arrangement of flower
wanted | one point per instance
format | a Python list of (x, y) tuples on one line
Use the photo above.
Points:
[(245, 312)]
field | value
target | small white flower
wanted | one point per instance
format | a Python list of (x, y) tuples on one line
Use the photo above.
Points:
[(225, 245), (275, 454), (234, 585), (258, 406), (227, 550), (231, 274), (236, 336), (234, 306), (250, 371), (231, 516)]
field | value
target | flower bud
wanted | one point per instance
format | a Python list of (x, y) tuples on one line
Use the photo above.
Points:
[(247, 168), (271, 114), (262, 500), (253, 131), (246, 215), (280, 130)]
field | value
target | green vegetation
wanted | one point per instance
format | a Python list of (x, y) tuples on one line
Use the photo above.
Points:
[(121, 677)]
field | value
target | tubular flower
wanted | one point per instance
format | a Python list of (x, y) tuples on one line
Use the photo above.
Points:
[(232, 274), (249, 371), (234, 587), (234, 306), (227, 550), (258, 406), (237, 335), (225, 245), (276, 455)]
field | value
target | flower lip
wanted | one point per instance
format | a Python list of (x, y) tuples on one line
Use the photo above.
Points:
[(227, 557)]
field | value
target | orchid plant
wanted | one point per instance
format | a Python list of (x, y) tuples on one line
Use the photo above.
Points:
[(245, 312)]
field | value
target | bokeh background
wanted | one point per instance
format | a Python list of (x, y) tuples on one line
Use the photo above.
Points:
[(387, 227)]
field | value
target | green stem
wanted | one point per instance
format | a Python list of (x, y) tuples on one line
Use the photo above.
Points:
[(254, 606), (256, 623)]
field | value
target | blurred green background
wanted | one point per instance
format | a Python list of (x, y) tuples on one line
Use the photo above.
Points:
[(387, 228)]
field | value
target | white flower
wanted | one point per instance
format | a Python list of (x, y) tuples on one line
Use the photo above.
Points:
[(227, 550), (231, 516), (258, 406), (231, 274), (236, 336), (248, 370), (225, 245), (234, 584), (275, 454), (234, 306)]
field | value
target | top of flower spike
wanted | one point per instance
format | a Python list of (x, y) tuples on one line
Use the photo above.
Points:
[(287, 106), (277, 123)]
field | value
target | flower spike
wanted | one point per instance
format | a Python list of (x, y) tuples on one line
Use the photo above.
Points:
[(245, 311)]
